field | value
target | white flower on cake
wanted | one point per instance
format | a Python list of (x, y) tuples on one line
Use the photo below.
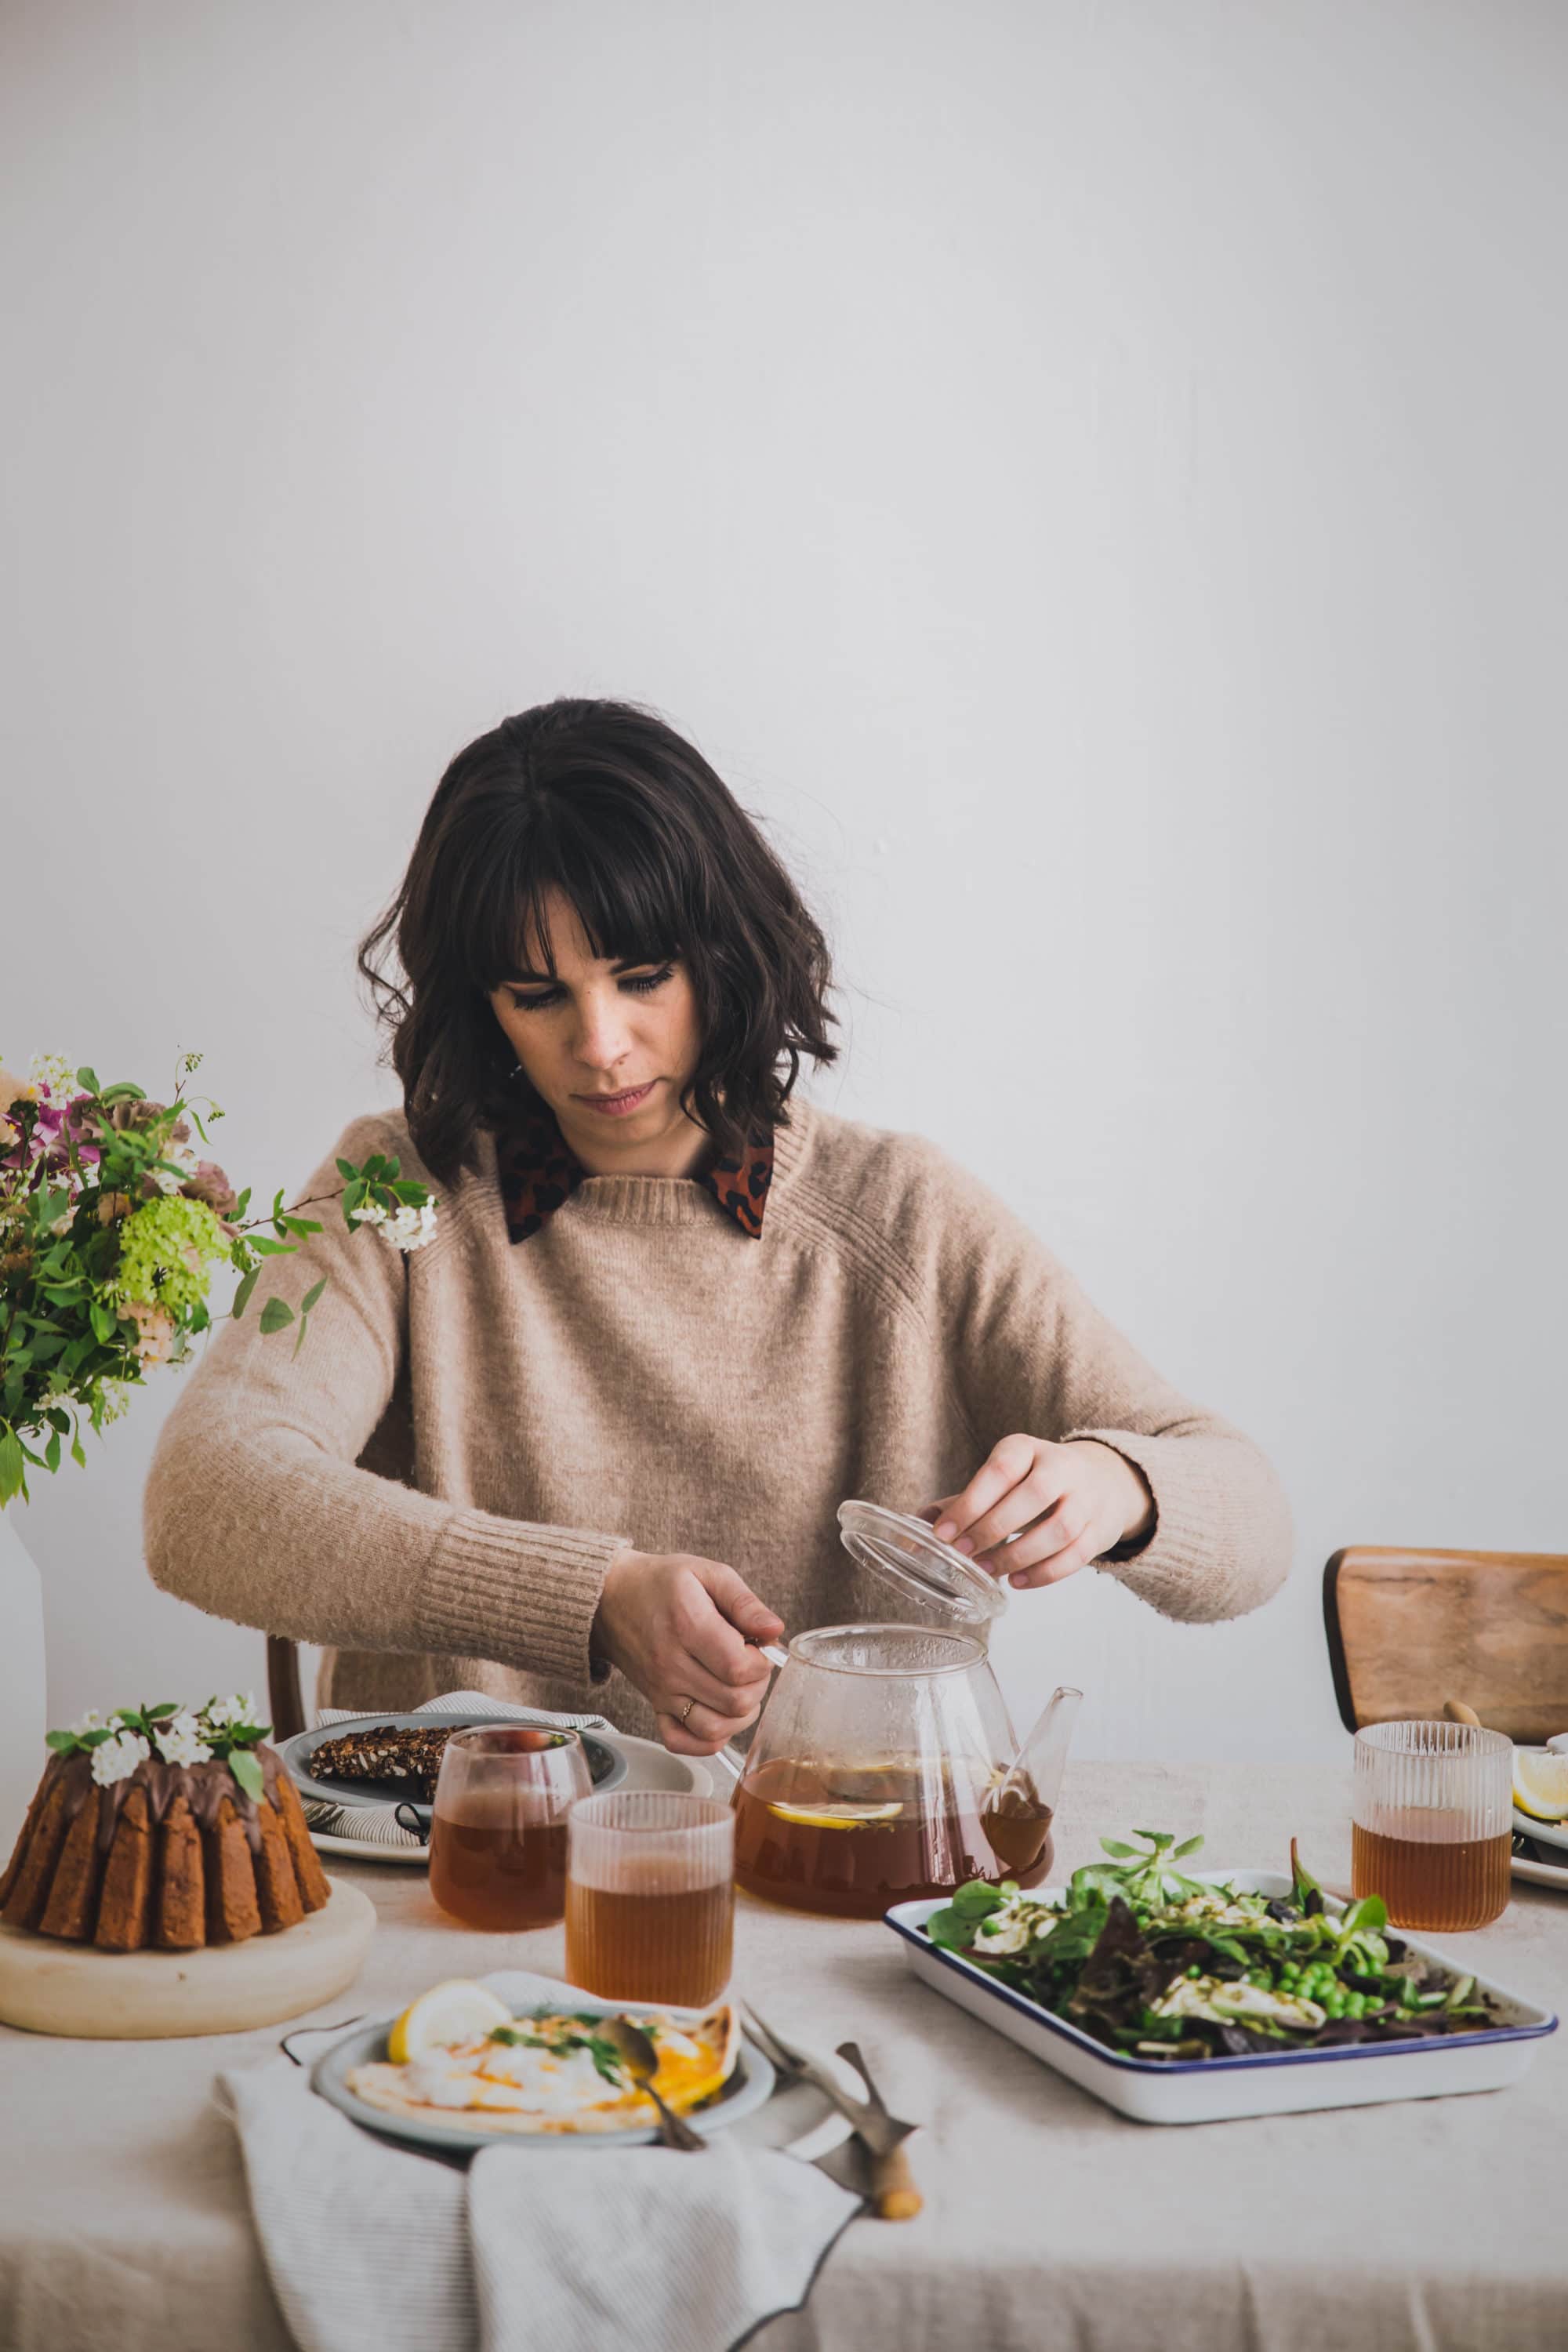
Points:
[(180, 1741), (117, 1758), (91, 1721), (222, 1713)]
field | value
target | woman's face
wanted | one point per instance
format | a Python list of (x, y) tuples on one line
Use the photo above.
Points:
[(609, 1047)]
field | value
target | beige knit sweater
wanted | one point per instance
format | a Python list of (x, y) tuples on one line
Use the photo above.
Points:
[(434, 1487)]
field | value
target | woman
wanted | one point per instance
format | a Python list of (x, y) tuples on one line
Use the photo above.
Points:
[(586, 1447)]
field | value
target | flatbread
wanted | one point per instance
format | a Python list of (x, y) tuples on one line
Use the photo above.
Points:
[(683, 2083)]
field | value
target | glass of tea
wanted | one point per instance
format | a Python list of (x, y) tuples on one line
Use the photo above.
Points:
[(497, 1823), (1431, 1822), (650, 1896)]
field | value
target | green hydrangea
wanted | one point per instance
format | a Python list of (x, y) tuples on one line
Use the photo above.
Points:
[(165, 1251)]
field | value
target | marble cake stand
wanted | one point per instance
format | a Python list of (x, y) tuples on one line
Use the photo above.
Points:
[(48, 1987)]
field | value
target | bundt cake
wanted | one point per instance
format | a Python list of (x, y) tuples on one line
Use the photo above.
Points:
[(152, 1850)]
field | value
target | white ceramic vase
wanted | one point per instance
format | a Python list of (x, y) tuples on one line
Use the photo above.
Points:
[(23, 1699)]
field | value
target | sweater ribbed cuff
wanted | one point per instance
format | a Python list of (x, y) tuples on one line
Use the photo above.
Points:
[(521, 1594), (1221, 1544)]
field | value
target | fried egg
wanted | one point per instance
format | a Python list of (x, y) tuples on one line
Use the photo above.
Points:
[(551, 2077)]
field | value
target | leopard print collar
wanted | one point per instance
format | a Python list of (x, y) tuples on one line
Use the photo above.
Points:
[(539, 1172)]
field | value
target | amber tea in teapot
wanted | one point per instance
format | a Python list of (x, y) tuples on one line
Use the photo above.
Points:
[(884, 1769), (851, 1839)]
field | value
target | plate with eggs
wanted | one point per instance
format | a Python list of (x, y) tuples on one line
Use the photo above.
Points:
[(522, 2060)]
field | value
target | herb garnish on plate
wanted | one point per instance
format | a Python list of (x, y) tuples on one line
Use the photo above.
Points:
[(1160, 1965)]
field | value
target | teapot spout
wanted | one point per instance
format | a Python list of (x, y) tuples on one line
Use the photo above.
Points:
[(1042, 1757)]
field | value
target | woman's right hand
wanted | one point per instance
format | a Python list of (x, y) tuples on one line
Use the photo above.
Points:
[(681, 1628)]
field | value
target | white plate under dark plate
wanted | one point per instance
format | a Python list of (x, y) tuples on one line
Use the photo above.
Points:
[(605, 1762), (748, 2088), (1550, 1871), (371, 1833)]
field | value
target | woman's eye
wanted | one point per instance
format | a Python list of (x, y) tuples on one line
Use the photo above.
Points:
[(640, 984)]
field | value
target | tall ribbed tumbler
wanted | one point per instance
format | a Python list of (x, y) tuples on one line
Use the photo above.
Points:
[(650, 1896), (1431, 1822)]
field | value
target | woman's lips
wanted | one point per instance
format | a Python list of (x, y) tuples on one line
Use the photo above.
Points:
[(618, 1106)]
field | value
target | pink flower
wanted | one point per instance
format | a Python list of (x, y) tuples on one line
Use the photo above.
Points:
[(210, 1184), (156, 1331)]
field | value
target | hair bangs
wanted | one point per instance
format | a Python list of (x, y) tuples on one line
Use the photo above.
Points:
[(622, 887)]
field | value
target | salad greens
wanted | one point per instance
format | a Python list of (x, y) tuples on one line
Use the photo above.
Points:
[(1160, 1965)]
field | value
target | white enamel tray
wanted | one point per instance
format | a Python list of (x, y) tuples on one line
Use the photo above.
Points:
[(1218, 2090)]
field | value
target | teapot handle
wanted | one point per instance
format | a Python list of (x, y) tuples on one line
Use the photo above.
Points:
[(731, 1758)]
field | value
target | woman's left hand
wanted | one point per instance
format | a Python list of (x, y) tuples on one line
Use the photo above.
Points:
[(1073, 1503)]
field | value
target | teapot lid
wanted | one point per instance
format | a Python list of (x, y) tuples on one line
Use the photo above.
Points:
[(904, 1552)]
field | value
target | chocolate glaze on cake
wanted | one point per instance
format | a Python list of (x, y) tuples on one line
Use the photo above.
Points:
[(173, 1855)]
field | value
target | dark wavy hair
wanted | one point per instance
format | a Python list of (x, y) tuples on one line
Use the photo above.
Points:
[(605, 802)]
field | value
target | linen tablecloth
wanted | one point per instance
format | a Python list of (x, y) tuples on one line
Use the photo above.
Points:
[(1049, 2221)]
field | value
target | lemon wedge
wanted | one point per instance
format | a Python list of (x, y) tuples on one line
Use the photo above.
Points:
[(1540, 1783), (456, 2010), (834, 1816)]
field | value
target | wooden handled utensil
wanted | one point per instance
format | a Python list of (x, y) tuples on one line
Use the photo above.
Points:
[(893, 2190), (894, 2197), (1458, 1712)]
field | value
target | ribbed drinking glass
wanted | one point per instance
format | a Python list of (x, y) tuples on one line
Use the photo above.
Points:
[(1431, 1822), (650, 1896)]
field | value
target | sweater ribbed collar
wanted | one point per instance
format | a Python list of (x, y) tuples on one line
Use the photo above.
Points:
[(539, 1172)]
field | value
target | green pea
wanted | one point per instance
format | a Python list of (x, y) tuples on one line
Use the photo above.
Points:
[(1355, 2005), (1194, 1970)]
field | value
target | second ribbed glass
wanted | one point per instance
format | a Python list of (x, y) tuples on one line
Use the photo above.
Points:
[(650, 1896), (1431, 1822)]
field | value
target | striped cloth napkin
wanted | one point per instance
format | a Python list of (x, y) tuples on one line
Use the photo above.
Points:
[(379, 1825), (576, 2249)]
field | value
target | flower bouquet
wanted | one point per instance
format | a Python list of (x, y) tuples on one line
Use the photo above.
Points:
[(111, 1229)]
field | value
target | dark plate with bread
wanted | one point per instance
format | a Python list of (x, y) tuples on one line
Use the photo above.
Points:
[(392, 1759)]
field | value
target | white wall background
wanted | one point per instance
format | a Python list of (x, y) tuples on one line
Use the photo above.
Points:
[(1088, 472)]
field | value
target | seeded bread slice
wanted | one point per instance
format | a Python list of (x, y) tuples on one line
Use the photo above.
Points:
[(384, 1754)]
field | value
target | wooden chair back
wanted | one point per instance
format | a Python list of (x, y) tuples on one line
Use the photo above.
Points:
[(283, 1693), (1409, 1629)]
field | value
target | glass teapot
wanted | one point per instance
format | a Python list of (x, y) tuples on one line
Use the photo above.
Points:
[(884, 1766)]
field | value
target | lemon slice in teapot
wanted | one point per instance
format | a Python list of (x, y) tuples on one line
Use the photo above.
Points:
[(832, 1813)]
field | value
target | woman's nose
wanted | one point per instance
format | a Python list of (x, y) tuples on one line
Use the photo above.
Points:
[(602, 1039)]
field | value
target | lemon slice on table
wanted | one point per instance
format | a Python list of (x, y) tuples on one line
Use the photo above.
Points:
[(835, 1816), (1540, 1783), (456, 2010)]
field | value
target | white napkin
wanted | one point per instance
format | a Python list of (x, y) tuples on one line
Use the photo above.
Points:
[(378, 1824), (571, 2248)]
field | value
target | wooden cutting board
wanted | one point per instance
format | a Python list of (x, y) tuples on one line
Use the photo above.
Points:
[(47, 1987)]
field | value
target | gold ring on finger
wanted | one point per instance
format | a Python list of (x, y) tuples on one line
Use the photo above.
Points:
[(685, 1712)]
